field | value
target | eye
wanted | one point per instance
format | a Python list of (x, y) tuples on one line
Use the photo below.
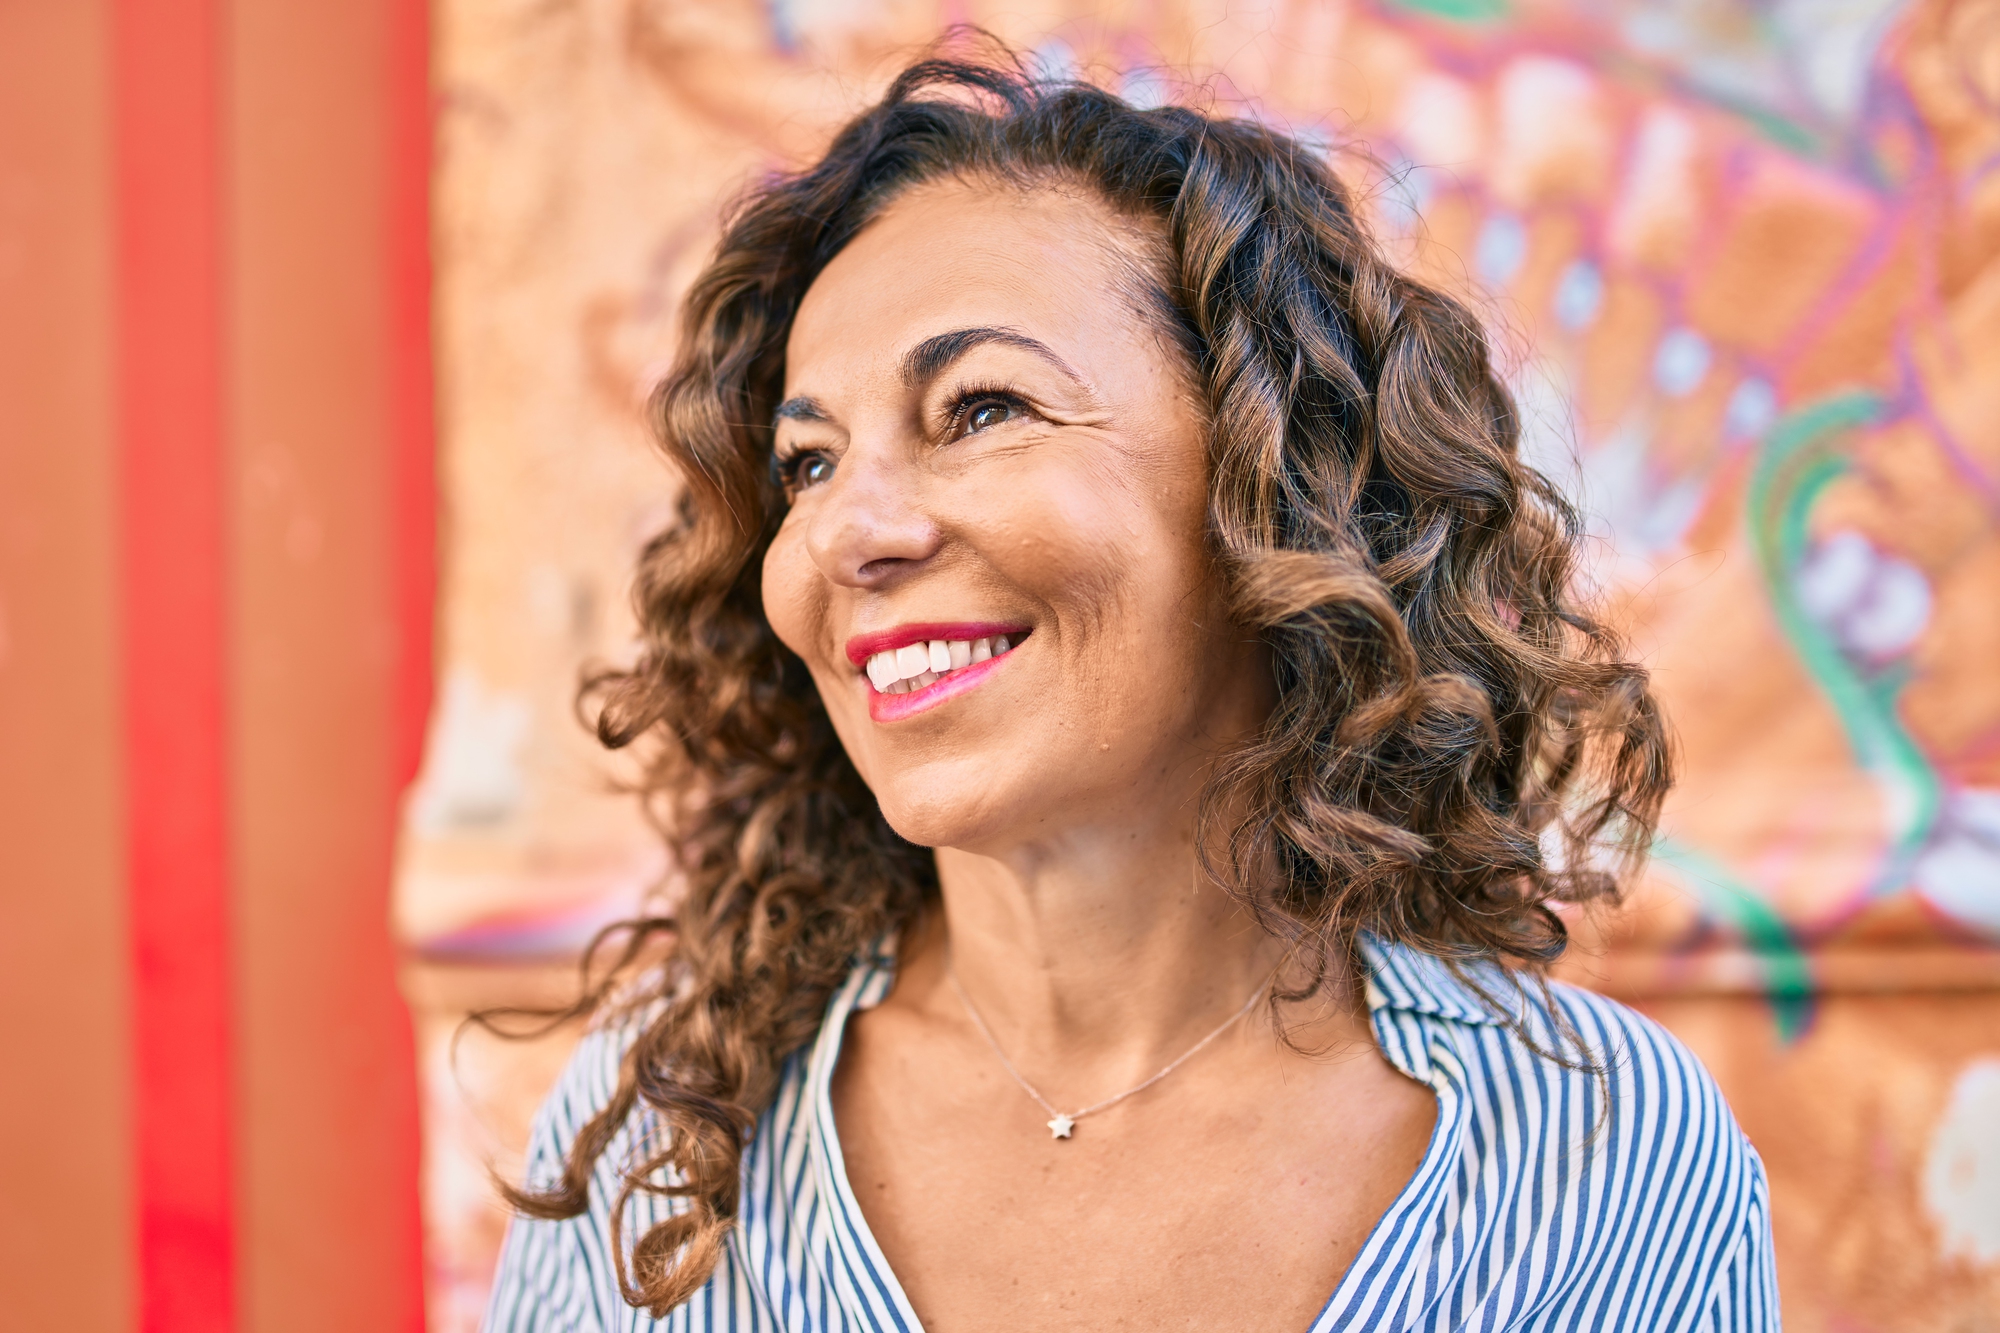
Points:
[(990, 413), (982, 410), (801, 470)]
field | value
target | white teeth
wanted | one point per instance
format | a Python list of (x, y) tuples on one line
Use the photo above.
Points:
[(915, 665)]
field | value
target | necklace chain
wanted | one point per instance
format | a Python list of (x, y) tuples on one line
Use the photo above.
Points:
[(1061, 1124)]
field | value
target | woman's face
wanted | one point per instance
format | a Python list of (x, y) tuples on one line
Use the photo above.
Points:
[(997, 466)]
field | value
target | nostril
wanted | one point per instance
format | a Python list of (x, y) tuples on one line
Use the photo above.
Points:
[(885, 566), (864, 531)]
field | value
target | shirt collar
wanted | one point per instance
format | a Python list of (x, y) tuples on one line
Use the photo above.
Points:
[(1403, 978)]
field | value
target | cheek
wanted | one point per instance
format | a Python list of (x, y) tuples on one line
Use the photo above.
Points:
[(1115, 540), (1117, 555), (795, 600), (1143, 592)]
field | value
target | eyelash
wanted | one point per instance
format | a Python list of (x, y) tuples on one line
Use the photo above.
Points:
[(973, 396), (785, 467)]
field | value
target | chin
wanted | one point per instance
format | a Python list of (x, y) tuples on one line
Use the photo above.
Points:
[(953, 814)]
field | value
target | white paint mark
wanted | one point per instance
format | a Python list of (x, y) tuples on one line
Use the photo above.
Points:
[(1959, 873), (472, 776), (1961, 1181)]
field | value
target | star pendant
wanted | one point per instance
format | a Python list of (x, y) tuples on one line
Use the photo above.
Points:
[(1060, 1127)]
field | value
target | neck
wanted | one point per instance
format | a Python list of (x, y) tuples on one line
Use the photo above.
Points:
[(1095, 957)]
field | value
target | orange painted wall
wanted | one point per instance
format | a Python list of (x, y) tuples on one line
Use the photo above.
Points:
[(323, 571), (326, 1141), (64, 1121)]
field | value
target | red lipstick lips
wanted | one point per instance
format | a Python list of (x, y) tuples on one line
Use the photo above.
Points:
[(890, 693), (864, 646)]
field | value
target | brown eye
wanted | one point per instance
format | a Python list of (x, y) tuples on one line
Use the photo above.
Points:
[(986, 415), (794, 474)]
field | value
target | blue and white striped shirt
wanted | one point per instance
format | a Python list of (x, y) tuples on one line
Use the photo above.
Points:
[(1547, 1199)]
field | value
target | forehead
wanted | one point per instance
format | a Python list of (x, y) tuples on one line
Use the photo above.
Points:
[(957, 254)]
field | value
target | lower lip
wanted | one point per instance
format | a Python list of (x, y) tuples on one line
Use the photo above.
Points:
[(896, 707)]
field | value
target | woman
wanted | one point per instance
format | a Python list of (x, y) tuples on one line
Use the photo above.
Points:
[(1119, 706)]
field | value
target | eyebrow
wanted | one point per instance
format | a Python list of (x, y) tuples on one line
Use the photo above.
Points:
[(928, 358), (800, 409)]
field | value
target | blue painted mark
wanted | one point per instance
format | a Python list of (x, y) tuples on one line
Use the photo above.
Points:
[(1681, 363), (1579, 295), (1053, 60), (1406, 192), (1959, 872), (1145, 89), (784, 26), (1874, 604), (1752, 409), (1501, 249)]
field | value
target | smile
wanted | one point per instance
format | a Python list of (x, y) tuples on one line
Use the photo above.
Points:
[(913, 667)]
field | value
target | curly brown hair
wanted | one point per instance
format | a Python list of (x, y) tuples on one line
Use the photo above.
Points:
[(1456, 743)]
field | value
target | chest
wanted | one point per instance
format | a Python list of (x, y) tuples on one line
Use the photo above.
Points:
[(1236, 1199)]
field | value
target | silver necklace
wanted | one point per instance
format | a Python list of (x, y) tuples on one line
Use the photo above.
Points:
[(1060, 1124)]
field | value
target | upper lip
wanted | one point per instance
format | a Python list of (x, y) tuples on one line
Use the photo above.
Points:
[(864, 646)]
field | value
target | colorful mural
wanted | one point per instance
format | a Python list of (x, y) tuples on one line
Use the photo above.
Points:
[(1743, 261)]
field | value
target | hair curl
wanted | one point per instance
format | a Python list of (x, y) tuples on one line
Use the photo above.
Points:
[(1456, 741)]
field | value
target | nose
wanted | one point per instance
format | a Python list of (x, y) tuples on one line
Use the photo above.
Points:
[(868, 526)]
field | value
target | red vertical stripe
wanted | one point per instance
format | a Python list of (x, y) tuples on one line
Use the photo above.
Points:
[(168, 78), (413, 452)]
